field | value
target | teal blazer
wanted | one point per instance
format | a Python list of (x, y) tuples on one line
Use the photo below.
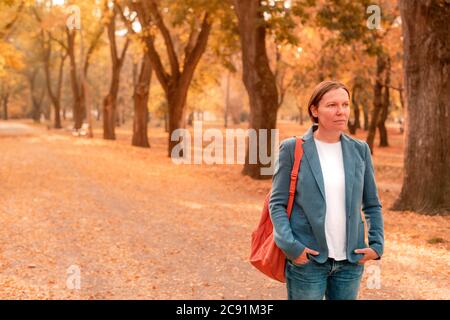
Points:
[(306, 228)]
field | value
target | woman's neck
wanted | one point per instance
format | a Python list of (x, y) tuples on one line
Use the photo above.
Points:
[(327, 136)]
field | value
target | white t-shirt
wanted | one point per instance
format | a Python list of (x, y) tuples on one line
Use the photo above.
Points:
[(332, 165)]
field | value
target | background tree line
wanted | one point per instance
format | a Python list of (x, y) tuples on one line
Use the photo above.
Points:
[(166, 62)]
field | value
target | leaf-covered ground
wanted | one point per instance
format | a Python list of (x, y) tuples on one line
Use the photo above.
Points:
[(137, 226)]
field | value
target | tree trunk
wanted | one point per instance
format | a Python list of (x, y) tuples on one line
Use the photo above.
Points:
[(57, 120), (377, 100), (54, 97), (357, 117), (426, 179), (356, 124), (109, 113), (166, 122), (366, 116), (176, 101), (178, 88), (99, 111), (356, 110), (36, 98), (227, 102), (176, 82), (37, 107), (258, 79), (78, 98), (5, 106), (385, 109), (110, 101), (118, 114), (401, 93), (141, 93), (353, 126), (300, 114)]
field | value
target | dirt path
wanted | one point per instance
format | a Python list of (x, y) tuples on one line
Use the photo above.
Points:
[(137, 226)]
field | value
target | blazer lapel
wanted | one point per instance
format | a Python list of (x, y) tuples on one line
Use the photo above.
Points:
[(348, 153), (310, 150)]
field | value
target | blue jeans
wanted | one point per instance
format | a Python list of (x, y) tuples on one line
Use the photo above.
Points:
[(336, 280)]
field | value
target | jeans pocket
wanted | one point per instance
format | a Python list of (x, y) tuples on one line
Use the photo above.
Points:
[(356, 265), (299, 265)]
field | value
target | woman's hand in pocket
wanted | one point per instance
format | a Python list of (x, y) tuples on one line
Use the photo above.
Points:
[(369, 254), (303, 258)]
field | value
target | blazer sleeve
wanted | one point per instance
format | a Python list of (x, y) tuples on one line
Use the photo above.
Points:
[(371, 206), (282, 231)]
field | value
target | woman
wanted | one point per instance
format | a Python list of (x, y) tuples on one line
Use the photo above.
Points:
[(324, 239)]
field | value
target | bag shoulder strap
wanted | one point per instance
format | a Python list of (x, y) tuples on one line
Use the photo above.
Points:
[(294, 173)]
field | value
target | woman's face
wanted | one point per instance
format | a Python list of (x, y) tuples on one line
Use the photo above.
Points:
[(333, 110)]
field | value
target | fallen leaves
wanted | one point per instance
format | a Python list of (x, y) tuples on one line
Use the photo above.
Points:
[(139, 227)]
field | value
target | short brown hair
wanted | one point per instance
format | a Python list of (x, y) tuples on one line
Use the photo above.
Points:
[(319, 92)]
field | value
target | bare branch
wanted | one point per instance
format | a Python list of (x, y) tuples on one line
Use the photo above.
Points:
[(192, 37), (62, 44), (145, 20), (193, 58), (92, 47), (395, 88), (126, 21), (154, 11), (124, 50)]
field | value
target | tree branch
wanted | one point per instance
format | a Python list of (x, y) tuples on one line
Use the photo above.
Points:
[(92, 47), (193, 58), (395, 88), (62, 44), (154, 11), (124, 50), (125, 20), (145, 20), (192, 37)]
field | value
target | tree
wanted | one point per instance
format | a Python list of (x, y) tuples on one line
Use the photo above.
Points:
[(385, 105), (256, 19), (377, 98), (37, 92), (258, 79), (426, 180), (117, 59), (140, 95), (355, 105), (176, 82), (141, 87), (93, 24), (282, 68), (46, 53)]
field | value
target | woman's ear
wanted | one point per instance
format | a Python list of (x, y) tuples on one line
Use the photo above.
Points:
[(314, 111)]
